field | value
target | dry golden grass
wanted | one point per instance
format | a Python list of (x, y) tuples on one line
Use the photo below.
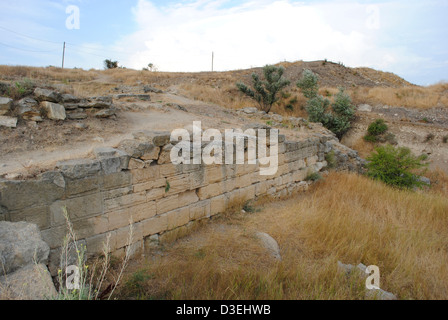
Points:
[(363, 147), (48, 74), (439, 181), (346, 217), (409, 97), (219, 87)]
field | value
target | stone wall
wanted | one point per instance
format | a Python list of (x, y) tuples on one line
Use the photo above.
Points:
[(137, 181)]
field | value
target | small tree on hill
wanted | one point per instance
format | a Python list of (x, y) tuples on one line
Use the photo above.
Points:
[(109, 64), (265, 91), (308, 84), (338, 119)]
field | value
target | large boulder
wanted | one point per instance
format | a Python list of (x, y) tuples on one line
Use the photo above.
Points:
[(32, 282), (47, 95), (5, 105), (27, 108), (21, 244), (270, 244), (54, 111)]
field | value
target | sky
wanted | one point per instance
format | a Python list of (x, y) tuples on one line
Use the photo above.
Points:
[(406, 37)]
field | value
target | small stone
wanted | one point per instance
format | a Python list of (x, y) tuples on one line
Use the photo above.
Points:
[(106, 113), (68, 98), (81, 126), (365, 108), (5, 105), (250, 110), (76, 115), (10, 122)]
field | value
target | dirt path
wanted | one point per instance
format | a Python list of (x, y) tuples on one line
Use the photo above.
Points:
[(31, 149)]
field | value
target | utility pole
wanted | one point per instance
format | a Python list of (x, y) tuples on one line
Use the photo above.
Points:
[(213, 58), (63, 56)]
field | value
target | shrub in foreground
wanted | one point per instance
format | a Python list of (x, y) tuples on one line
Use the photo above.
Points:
[(396, 167)]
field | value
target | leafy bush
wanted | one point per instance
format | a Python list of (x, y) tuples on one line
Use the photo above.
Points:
[(109, 64), (265, 91), (376, 129), (308, 84), (317, 110), (314, 176), (338, 119), (396, 166)]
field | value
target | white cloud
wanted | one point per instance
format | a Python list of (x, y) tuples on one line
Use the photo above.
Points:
[(181, 37)]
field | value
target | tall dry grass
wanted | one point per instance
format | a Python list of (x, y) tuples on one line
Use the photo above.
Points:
[(219, 87), (409, 97), (48, 74), (346, 217)]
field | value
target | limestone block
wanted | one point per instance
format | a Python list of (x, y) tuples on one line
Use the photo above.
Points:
[(200, 210), (124, 201), (158, 138), (79, 168), (178, 217), (54, 111), (188, 197), (154, 225), (47, 95), (218, 205), (9, 122), (167, 204), (5, 105)]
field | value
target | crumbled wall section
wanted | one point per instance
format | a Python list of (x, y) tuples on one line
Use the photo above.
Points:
[(138, 183)]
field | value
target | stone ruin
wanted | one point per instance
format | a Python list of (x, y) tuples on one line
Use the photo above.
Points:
[(52, 105)]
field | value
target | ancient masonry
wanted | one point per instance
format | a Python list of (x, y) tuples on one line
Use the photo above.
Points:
[(137, 182)]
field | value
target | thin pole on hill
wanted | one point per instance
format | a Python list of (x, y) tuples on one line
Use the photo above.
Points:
[(213, 58), (63, 55)]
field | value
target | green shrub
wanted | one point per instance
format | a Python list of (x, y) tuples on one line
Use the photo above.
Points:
[(315, 176), (317, 110), (370, 138), (396, 166), (377, 127), (266, 92), (375, 130), (338, 119), (109, 64), (308, 84)]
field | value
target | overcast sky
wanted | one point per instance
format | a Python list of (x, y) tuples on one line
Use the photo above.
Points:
[(409, 38)]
